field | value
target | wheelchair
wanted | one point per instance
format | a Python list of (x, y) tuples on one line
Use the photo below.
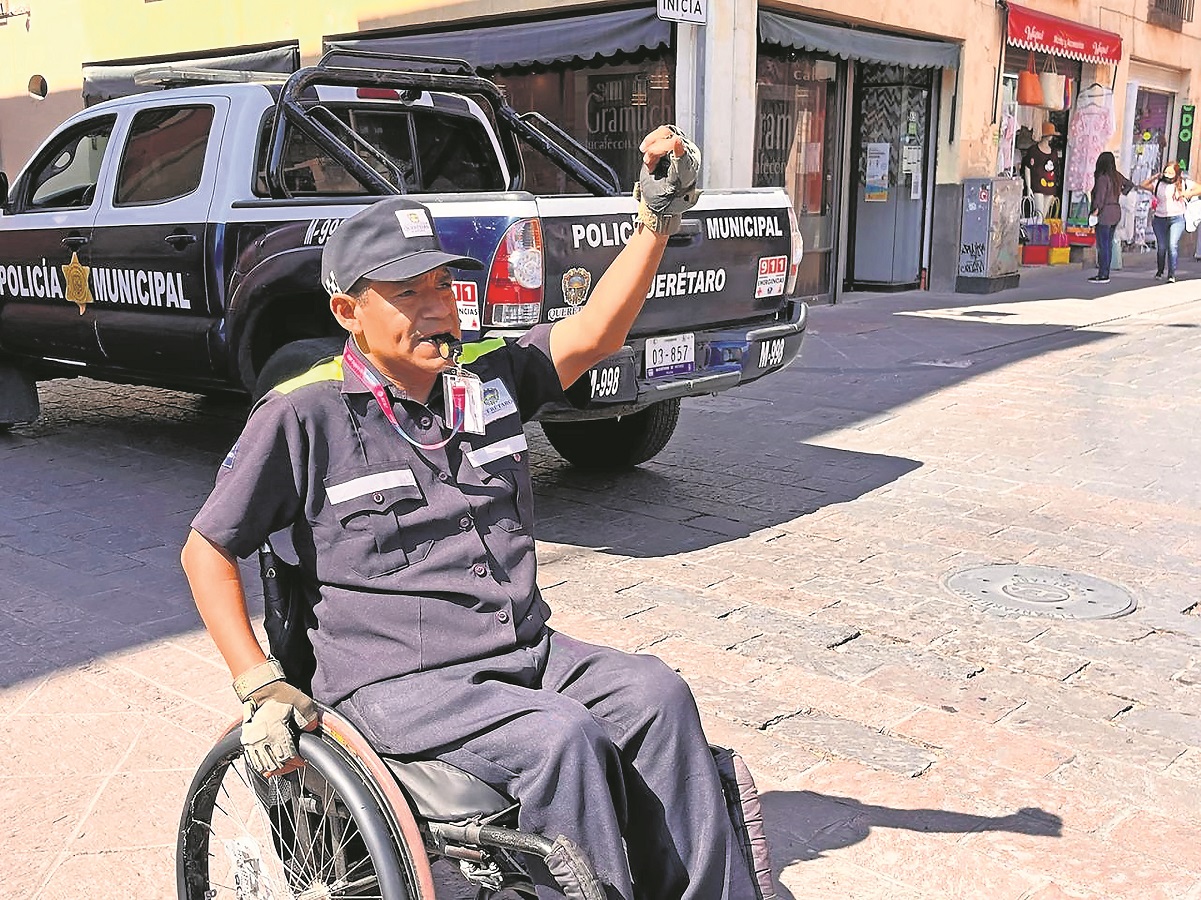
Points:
[(353, 824)]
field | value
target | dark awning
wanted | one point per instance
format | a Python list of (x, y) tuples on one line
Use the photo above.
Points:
[(528, 43), (106, 80), (866, 46)]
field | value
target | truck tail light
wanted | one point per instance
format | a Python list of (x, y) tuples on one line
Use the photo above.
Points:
[(798, 250), (514, 293)]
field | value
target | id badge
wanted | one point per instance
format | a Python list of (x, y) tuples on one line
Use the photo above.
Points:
[(473, 418)]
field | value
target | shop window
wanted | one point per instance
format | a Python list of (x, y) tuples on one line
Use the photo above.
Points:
[(796, 140), (609, 108), (65, 175), (164, 156)]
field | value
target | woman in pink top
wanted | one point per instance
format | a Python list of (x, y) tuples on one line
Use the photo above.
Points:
[(1172, 192)]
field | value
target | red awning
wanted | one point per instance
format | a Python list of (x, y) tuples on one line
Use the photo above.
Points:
[(1062, 37)]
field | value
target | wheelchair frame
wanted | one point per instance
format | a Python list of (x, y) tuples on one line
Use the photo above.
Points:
[(411, 842)]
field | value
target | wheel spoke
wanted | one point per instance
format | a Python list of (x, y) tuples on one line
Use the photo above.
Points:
[(290, 837)]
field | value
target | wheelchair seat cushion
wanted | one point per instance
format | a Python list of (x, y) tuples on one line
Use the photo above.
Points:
[(445, 793)]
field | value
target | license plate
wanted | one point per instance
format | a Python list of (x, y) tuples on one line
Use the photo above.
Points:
[(771, 353), (673, 355), (613, 381)]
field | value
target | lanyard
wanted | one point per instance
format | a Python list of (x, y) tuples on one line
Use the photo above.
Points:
[(365, 375)]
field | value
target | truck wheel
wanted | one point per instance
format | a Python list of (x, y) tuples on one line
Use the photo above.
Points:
[(294, 359), (620, 443)]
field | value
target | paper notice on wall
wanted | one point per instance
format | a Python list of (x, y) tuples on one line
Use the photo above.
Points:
[(911, 160), (876, 181)]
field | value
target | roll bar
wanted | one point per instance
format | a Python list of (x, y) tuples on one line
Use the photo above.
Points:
[(412, 75)]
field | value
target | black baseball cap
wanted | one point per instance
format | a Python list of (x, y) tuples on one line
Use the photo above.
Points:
[(391, 240)]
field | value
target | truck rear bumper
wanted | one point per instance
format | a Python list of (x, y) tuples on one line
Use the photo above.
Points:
[(725, 358)]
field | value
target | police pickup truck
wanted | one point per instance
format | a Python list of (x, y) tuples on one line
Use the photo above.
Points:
[(173, 238)]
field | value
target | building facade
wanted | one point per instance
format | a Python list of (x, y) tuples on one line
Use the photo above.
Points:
[(871, 114)]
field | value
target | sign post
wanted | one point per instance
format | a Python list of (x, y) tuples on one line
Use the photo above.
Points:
[(690, 12)]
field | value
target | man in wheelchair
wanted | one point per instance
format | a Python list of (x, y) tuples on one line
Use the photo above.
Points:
[(401, 470)]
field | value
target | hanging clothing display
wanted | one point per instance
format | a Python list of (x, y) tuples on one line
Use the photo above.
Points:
[(1089, 130), (1006, 157)]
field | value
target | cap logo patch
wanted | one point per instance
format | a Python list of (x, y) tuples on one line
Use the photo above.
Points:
[(414, 223), (331, 283)]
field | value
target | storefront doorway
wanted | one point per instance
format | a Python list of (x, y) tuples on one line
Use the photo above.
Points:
[(891, 139), (798, 146)]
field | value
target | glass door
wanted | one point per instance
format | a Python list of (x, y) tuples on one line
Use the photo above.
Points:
[(891, 152), (798, 123)]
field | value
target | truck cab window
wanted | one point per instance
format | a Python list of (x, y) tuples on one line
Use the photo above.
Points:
[(453, 153), (164, 156), (65, 175), (456, 154)]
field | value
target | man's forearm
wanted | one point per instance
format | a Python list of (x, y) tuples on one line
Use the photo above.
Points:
[(622, 290), (601, 326), (217, 588)]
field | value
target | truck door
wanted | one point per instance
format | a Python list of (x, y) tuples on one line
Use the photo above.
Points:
[(45, 247), (150, 245)]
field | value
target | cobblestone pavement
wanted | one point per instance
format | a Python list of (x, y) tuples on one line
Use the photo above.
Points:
[(787, 553)]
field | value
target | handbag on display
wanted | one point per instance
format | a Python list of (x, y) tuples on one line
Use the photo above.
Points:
[(1032, 229), (1054, 218), (1052, 84), (1030, 91)]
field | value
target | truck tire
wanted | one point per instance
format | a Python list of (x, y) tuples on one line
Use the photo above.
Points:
[(294, 359), (621, 443)]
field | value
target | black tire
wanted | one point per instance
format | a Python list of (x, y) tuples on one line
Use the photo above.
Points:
[(295, 359), (621, 443), (318, 831)]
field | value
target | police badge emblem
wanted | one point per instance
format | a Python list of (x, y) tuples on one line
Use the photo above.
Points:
[(576, 283)]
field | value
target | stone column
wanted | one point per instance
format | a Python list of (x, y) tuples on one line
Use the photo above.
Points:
[(727, 105)]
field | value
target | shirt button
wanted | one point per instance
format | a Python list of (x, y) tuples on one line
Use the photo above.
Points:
[(502, 616), (480, 570), (442, 476), (377, 497), (465, 522), (425, 422)]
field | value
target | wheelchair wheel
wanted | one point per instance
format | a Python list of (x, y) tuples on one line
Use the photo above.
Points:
[(315, 834)]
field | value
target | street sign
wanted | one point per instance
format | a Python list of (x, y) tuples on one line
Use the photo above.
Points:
[(692, 12)]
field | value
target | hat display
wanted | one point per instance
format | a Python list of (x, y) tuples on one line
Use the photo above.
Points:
[(1049, 129), (392, 240)]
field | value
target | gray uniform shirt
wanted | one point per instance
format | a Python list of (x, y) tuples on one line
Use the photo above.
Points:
[(422, 558)]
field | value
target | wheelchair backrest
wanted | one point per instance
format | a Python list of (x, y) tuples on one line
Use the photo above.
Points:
[(288, 598)]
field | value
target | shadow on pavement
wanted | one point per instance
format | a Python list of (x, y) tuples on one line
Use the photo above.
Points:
[(818, 823)]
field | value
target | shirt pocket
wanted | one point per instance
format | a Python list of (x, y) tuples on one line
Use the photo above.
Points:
[(506, 482), (380, 510)]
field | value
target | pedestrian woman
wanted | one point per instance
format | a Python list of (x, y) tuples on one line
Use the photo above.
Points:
[(1172, 192), (1108, 187)]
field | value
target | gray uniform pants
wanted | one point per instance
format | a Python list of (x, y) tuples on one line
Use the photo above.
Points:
[(601, 746)]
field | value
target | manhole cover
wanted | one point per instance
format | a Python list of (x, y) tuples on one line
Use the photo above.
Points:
[(1041, 591)]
